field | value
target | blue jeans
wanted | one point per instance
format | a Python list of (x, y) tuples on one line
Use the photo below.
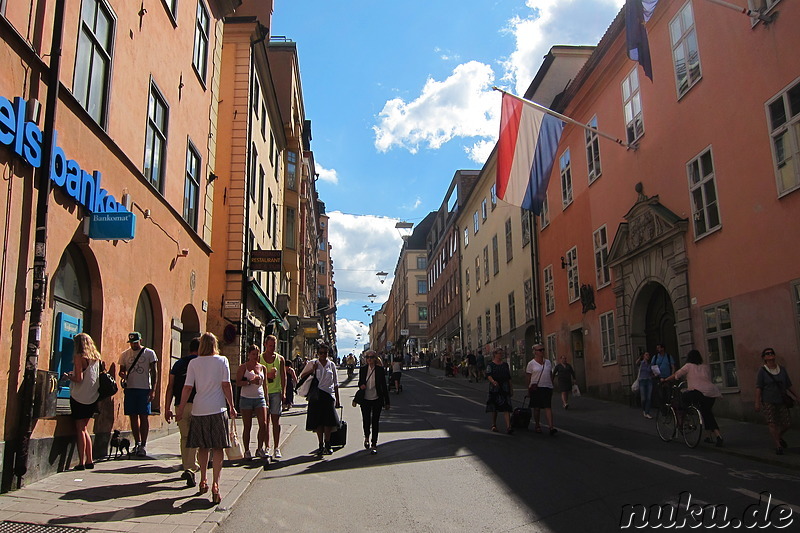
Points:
[(646, 392)]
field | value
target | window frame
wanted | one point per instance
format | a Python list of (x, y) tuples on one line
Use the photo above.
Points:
[(549, 289), (718, 367), (601, 268), (423, 287), (565, 171), (498, 321), (108, 55), (202, 39), (475, 223), (544, 216), (495, 255), (608, 338), (552, 347), (790, 127), (682, 44), (486, 265), (509, 241), (573, 275), (484, 211), (466, 237), (632, 95), (493, 195), (192, 181), (512, 311), (701, 186), (156, 96), (593, 164)]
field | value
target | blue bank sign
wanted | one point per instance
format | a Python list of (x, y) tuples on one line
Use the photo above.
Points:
[(112, 226), (25, 139)]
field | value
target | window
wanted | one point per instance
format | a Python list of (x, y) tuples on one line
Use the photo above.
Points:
[(703, 191), (422, 286), (422, 262), (685, 55), (466, 282), (289, 237), (484, 212), (566, 179), (480, 333), (552, 347), (469, 337), (191, 186), (200, 56), (498, 328), (608, 337), (601, 257), (466, 237), (574, 285), (252, 173), (544, 218), (549, 290), (784, 121), (632, 106), (93, 59), (512, 312), (477, 274), (488, 325), (261, 195), (509, 247), (321, 267), (475, 223), (172, 8), (719, 343), (291, 170), (526, 227), (593, 151), (495, 255), (155, 138), (269, 202), (486, 265), (493, 195), (422, 314), (274, 225), (527, 287), (256, 101)]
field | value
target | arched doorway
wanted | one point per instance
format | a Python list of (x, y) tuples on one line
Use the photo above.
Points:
[(653, 320)]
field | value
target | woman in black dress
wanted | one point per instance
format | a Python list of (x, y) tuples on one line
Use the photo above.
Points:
[(372, 380), (500, 391)]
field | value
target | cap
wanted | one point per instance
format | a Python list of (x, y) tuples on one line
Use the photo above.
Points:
[(134, 337)]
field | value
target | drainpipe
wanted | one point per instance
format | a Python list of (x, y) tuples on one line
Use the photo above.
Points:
[(39, 292)]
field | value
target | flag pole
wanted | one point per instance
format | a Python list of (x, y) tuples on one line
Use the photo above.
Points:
[(566, 119), (749, 12)]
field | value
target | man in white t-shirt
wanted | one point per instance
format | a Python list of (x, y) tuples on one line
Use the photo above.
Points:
[(138, 369)]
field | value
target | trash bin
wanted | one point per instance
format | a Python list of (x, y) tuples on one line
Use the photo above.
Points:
[(46, 395)]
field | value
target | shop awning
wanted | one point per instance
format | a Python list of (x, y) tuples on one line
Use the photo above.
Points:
[(255, 288)]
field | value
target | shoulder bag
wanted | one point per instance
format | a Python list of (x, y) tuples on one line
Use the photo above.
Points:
[(535, 386), (106, 384), (234, 453), (788, 401)]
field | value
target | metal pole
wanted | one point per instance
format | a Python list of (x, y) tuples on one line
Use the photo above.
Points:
[(749, 12), (39, 291), (566, 118)]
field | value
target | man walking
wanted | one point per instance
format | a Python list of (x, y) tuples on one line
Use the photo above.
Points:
[(666, 367), (275, 368), (177, 378), (138, 370)]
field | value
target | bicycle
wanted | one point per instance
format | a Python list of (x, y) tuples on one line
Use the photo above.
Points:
[(674, 417)]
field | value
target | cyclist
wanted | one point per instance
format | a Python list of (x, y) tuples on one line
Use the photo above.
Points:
[(350, 361), (700, 391)]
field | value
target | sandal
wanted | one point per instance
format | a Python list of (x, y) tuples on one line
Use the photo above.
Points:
[(215, 497), (494, 429), (537, 429), (202, 488)]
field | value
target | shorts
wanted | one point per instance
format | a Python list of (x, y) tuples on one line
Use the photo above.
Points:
[(541, 398), (247, 404), (81, 411), (137, 401), (275, 403)]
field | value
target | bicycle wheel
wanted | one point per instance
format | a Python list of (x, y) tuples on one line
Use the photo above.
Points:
[(666, 424), (692, 426)]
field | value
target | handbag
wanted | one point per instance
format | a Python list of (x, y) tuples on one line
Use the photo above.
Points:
[(576, 391), (106, 384), (534, 386), (308, 386), (656, 370), (635, 385), (788, 401), (124, 382), (359, 397), (234, 453)]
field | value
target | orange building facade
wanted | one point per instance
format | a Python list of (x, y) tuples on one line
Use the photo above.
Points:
[(687, 239), (135, 123)]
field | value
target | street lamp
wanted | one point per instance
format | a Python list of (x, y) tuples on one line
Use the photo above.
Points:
[(382, 276), (372, 298)]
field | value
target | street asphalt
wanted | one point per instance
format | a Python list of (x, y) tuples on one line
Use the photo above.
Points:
[(143, 494)]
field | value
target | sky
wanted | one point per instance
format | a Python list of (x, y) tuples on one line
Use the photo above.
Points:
[(400, 97)]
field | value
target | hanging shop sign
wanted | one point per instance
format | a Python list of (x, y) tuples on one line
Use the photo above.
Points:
[(112, 226), (25, 139), (268, 260)]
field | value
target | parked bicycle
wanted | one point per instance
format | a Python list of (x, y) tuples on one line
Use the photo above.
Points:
[(675, 417)]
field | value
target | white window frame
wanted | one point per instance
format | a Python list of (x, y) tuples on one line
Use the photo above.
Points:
[(493, 195), (608, 338), (512, 311), (714, 334), (602, 271), (484, 211), (495, 255), (632, 106), (191, 186), (498, 321), (486, 265), (565, 169), (544, 217), (683, 36), (552, 347), (700, 188), (475, 223), (477, 273), (785, 134), (549, 290), (573, 277), (593, 151), (466, 237), (509, 241)]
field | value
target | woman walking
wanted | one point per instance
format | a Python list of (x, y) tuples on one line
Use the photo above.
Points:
[(539, 374), (772, 384), (83, 394), (250, 377), (372, 380), (645, 377), (209, 374), (565, 375), (500, 391), (321, 417), (700, 391)]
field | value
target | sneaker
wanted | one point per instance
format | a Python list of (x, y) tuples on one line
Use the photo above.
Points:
[(373, 449), (328, 450), (248, 455), (188, 475), (320, 451), (277, 453), (648, 415), (135, 449), (261, 453), (141, 451), (366, 444)]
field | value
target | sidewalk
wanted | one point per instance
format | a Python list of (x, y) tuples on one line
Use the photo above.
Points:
[(742, 439), (136, 495)]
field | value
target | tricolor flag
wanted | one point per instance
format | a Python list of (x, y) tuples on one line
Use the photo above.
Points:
[(637, 12), (525, 153)]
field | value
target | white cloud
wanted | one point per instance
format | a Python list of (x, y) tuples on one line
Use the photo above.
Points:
[(328, 175), (347, 339), (463, 106), (361, 246)]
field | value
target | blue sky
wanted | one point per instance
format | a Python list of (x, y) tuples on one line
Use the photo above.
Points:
[(400, 97)]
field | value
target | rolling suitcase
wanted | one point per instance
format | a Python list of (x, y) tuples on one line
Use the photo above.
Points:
[(339, 436), (521, 416)]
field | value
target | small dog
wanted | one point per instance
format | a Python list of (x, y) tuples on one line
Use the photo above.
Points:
[(119, 444)]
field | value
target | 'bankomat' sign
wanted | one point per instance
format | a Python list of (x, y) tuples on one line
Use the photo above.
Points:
[(25, 139)]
